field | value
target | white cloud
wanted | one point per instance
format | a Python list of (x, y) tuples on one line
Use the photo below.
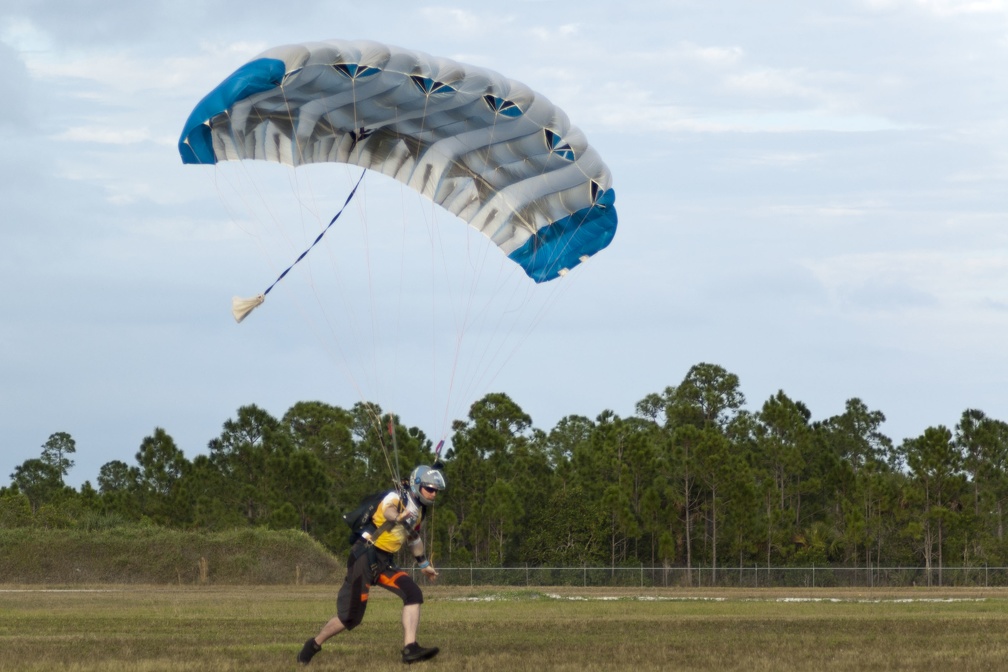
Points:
[(711, 55), (23, 35), (462, 22), (726, 88), (944, 8), (551, 34), (943, 280), (107, 136), (810, 212), (771, 83)]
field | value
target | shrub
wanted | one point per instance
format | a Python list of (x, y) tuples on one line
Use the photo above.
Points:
[(158, 555)]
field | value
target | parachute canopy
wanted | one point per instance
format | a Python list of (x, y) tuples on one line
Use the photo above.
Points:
[(486, 148)]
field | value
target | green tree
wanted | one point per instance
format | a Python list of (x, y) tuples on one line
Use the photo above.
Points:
[(41, 479), (708, 396), (970, 439), (561, 442), (686, 439), (624, 453), (301, 484), (864, 453), (983, 442), (783, 441), (162, 467), (327, 432), (502, 510), (15, 509), (118, 489), (567, 532), (242, 454), (723, 471), (213, 499), (38, 480), (492, 445), (743, 525), (994, 473), (935, 465), (379, 461), (56, 451), (709, 399), (696, 414)]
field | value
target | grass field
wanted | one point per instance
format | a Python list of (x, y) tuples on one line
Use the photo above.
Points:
[(262, 628)]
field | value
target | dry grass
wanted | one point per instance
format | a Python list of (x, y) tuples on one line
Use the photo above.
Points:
[(262, 628)]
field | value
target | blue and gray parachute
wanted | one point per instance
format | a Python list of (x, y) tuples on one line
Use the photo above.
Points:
[(485, 147)]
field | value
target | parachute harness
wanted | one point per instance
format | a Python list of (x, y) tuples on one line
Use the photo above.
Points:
[(402, 486)]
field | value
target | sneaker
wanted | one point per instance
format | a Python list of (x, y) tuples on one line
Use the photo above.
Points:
[(412, 653), (309, 649)]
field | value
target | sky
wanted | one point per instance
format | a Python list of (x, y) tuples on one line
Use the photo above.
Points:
[(812, 195)]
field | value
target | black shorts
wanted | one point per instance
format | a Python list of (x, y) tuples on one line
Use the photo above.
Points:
[(367, 566)]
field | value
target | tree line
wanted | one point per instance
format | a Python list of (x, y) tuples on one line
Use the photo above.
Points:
[(691, 479)]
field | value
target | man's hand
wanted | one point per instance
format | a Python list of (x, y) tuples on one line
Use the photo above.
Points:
[(430, 572)]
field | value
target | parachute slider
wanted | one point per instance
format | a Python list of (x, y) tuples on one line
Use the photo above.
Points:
[(240, 307)]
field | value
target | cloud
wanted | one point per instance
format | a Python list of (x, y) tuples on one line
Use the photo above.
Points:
[(765, 121), (771, 83), (116, 76), (948, 280), (108, 136), (456, 21), (944, 8), (692, 87), (714, 56), (16, 109)]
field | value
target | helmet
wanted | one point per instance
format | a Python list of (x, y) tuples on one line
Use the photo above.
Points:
[(426, 477)]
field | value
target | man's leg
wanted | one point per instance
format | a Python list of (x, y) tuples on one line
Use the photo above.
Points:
[(330, 629), (410, 622), (400, 583), (351, 603)]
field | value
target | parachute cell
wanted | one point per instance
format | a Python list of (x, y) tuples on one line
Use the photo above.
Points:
[(485, 147)]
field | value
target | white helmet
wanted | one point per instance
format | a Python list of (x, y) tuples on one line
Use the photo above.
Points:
[(424, 476)]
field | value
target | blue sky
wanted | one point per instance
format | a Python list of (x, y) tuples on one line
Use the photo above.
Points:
[(813, 195)]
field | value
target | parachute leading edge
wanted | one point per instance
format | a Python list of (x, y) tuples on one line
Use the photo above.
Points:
[(196, 144), (485, 147)]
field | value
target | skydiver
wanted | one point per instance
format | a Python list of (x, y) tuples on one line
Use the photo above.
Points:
[(395, 522)]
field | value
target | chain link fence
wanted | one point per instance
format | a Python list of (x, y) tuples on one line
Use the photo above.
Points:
[(726, 577)]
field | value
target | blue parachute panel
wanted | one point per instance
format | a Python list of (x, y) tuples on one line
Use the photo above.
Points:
[(562, 244), (196, 144)]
